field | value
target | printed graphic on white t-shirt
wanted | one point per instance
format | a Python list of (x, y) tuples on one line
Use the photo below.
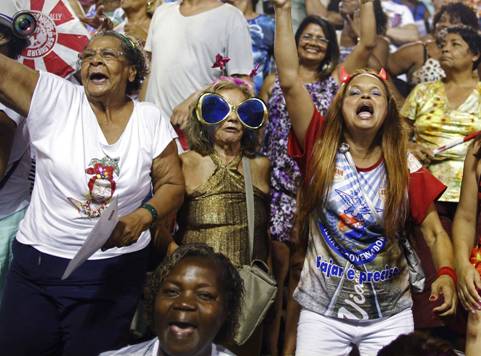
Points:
[(101, 186), (347, 272)]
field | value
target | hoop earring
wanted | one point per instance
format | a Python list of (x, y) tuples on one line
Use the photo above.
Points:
[(324, 67)]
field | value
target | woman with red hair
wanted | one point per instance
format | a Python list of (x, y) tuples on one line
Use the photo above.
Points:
[(361, 187)]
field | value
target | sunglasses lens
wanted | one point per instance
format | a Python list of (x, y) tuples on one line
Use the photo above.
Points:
[(251, 112), (214, 109)]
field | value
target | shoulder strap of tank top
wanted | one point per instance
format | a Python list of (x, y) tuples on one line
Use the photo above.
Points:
[(425, 53)]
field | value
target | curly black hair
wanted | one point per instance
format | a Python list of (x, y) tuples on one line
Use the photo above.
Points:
[(459, 12), (229, 278), (135, 56), (471, 37), (417, 344)]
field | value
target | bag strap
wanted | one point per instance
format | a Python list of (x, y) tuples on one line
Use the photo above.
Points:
[(344, 148), (246, 167)]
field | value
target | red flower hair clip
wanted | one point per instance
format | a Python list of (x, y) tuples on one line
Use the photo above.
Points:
[(254, 71), (220, 61)]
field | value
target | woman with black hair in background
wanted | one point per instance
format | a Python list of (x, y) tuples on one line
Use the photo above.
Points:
[(437, 113), (420, 60)]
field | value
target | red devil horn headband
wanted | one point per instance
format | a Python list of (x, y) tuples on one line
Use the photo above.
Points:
[(345, 77)]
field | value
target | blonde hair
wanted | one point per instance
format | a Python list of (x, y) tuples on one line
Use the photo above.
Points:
[(198, 134), (392, 137)]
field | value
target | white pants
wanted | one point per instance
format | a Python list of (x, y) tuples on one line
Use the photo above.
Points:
[(325, 336)]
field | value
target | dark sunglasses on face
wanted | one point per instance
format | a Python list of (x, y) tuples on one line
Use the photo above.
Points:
[(212, 109)]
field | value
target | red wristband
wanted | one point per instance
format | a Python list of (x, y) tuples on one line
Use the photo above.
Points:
[(448, 271)]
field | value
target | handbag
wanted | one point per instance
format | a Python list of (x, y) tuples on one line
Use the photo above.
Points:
[(417, 277), (260, 287)]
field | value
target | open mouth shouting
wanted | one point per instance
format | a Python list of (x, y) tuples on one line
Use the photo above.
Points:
[(181, 329), (98, 78), (365, 110)]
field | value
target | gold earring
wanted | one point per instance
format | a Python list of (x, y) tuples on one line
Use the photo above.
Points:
[(150, 7)]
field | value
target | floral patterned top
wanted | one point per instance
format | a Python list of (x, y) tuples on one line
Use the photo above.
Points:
[(285, 174), (430, 71), (436, 124)]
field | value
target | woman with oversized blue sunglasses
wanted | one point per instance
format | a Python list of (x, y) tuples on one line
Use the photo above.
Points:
[(222, 133), (212, 109)]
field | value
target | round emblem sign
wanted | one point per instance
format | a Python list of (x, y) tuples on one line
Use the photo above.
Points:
[(57, 40), (44, 37)]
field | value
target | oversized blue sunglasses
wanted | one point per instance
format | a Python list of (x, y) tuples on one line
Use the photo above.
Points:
[(212, 109)]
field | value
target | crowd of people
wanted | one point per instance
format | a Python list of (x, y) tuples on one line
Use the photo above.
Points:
[(336, 143)]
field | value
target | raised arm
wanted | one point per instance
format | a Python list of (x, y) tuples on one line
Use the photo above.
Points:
[(315, 7), (464, 233), (17, 85), (298, 101), (403, 34), (442, 253), (405, 58), (359, 57)]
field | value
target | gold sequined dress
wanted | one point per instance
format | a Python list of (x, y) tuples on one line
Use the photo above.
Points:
[(216, 214)]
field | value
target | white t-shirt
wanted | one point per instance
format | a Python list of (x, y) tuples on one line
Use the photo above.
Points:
[(151, 348), (15, 194), (78, 172), (10, 7), (398, 15), (184, 48)]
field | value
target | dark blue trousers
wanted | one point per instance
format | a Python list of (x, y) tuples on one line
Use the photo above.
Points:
[(86, 314)]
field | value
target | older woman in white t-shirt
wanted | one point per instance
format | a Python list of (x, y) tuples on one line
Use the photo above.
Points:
[(93, 144)]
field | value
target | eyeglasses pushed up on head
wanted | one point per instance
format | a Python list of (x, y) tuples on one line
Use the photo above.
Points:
[(212, 109)]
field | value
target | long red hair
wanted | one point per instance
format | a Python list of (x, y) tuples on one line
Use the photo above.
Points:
[(392, 137)]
